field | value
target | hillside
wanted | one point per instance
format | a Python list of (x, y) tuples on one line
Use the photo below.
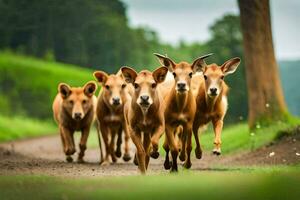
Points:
[(28, 85)]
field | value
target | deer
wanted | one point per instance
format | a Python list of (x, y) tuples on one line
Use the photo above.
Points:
[(74, 110), (144, 114), (211, 100), (180, 111), (110, 115)]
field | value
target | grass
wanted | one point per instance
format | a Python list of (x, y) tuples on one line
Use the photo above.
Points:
[(247, 183), (12, 128), (29, 85), (235, 138)]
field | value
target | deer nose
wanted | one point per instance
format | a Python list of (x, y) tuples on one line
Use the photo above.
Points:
[(144, 98), (78, 116), (213, 91), (116, 100), (181, 86)]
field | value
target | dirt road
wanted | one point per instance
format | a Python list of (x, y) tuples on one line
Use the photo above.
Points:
[(43, 156)]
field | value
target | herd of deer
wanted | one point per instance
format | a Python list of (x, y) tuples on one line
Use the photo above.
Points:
[(143, 106)]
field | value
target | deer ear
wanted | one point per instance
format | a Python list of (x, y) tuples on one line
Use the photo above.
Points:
[(129, 74), (64, 90), (160, 74), (100, 76), (230, 66), (90, 88), (199, 64), (165, 61)]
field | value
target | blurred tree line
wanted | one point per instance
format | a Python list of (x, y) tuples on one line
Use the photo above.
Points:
[(95, 34)]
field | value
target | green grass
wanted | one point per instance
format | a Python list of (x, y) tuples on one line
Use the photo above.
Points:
[(12, 128), (29, 85), (248, 183), (235, 138)]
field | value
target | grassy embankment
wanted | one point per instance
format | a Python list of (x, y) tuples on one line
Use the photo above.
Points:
[(27, 88)]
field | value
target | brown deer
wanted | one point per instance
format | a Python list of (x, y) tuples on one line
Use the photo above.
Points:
[(211, 100), (144, 114), (74, 110), (110, 114), (180, 111)]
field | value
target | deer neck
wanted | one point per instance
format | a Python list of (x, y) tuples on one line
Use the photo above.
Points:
[(182, 99), (211, 102)]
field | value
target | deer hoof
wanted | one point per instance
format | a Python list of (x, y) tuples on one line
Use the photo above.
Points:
[(135, 161), (69, 159), (167, 165), (126, 157), (118, 154), (154, 154), (80, 160), (182, 157), (217, 152), (187, 165), (198, 153)]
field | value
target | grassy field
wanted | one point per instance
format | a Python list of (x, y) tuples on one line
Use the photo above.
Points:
[(29, 85), (231, 183), (12, 128)]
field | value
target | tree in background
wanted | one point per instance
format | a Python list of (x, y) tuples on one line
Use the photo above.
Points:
[(266, 100), (92, 33)]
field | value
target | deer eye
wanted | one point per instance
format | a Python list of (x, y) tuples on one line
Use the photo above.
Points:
[(84, 102), (174, 74), (191, 74), (71, 102), (124, 85), (136, 86), (205, 77), (107, 87), (222, 77), (153, 85)]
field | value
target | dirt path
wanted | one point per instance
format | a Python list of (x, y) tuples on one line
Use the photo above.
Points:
[(44, 155)]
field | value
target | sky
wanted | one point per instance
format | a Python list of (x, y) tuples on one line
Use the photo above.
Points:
[(190, 20)]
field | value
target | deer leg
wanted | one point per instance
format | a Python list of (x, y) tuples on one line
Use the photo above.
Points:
[(82, 145), (155, 141), (188, 132), (69, 147), (198, 149), (118, 152), (99, 141), (146, 144), (112, 146), (126, 156), (173, 147), (183, 139), (140, 154), (167, 163), (105, 132), (218, 126)]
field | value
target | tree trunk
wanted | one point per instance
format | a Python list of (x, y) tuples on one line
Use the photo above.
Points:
[(265, 95)]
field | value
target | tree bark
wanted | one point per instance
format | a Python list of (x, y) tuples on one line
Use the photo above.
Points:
[(265, 96)]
